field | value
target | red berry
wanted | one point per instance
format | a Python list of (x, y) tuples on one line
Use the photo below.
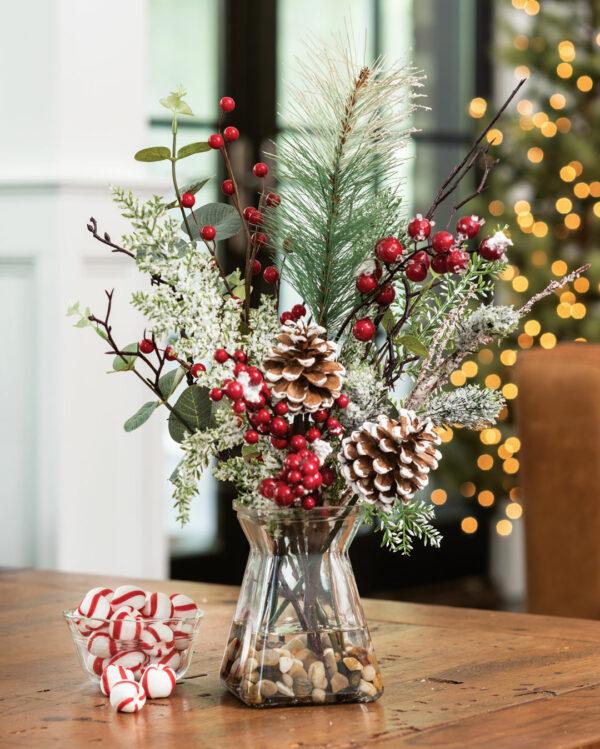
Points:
[(308, 454), (227, 104), (298, 310), (312, 481), (146, 345), (216, 141), (259, 238), (285, 317), (292, 461), (187, 200), (343, 401), (320, 415), (421, 257), (239, 407), (333, 425), (298, 442), (299, 490), (279, 427), (271, 274), (248, 211), (490, 251), (260, 169), (284, 495), (197, 368), (366, 283), (256, 267), (469, 226), (328, 476), (215, 394), (227, 187), (439, 264), (294, 476), (279, 443), (221, 356), (313, 434), (234, 390), (255, 217), (363, 329), (419, 228), (208, 233), (267, 488), (389, 250), (239, 356), (281, 408), (263, 416), (265, 391), (416, 271), (309, 502), (170, 353), (309, 467), (442, 241), (385, 295), (251, 436), (273, 199), (255, 375), (231, 133), (457, 260)]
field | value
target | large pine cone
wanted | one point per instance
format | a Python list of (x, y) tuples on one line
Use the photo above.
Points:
[(302, 368), (388, 460)]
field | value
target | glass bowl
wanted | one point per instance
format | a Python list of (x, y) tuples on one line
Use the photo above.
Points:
[(138, 643)]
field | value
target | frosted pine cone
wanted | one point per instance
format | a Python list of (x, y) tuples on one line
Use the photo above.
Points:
[(388, 460), (302, 368)]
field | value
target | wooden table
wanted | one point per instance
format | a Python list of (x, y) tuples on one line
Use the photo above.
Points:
[(453, 678)]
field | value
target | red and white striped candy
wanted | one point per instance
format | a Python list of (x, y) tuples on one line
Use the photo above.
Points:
[(129, 595), (95, 604), (158, 606), (182, 635), (157, 636), (127, 696), (126, 624), (96, 665), (172, 660), (133, 659), (111, 675), (101, 644), (158, 681), (183, 606)]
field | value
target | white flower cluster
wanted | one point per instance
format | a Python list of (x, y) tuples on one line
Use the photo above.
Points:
[(367, 392), (264, 327), (246, 475), (472, 407), (488, 321)]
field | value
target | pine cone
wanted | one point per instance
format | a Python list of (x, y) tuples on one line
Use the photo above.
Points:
[(303, 369), (388, 460)]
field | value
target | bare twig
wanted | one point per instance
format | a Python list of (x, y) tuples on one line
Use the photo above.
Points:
[(92, 227)]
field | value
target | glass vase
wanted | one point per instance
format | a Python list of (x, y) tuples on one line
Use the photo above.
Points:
[(299, 635)]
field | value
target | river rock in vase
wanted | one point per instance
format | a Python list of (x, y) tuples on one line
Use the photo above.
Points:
[(299, 635)]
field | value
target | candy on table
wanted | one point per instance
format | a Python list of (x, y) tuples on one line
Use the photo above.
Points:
[(95, 664), (182, 635), (127, 696), (172, 660), (158, 681), (133, 659), (157, 606), (157, 637), (95, 605), (125, 624), (183, 606), (129, 595), (111, 675), (101, 644)]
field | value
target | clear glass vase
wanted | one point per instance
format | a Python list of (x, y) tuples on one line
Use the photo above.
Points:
[(299, 634)]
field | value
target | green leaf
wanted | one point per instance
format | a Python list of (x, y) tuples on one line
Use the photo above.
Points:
[(101, 333), (222, 216), (83, 322), (191, 413), (237, 284), (193, 189), (174, 102), (125, 363), (154, 153), (168, 383), (412, 343), (388, 320), (73, 309), (249, 452), (191, 148), (141, 416)]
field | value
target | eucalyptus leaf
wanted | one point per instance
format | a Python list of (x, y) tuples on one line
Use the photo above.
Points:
[(174, 102), (101, 333), (168, 383), (154, 153), (191, 413), (191, 148), (141, 416), (412, 343), (125, 363), (222, 216), (192, 189)]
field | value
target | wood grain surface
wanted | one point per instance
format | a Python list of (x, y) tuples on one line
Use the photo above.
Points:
[(453, 678)]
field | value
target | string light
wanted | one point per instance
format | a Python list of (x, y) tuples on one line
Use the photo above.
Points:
[(477, 107), (490, 436), (540, 229), (439, 497), (596, 209), (557, 101), (519, 4), (577, 166), (503, 453), (513, 444), (524, 107), (538, 258), (549, 129), (509, 272), (508, 357), (532, 327), (522, 71), (493, 382), (496, 207), (568, 173), (521, 42), (563, 310), (580, 340), (581, 190), (563, 205), (510, 391), (547, 340), (535, 154), (525, 341), (559, 268), (510, 466), (564, 70), (581, 285), (584, 83), (446, 434), (520, 283), (486, 356), (485, 462), (563, 124), (514, 510), (566, 51), (469, 369), (539, 118), (468, 525), (568, 297), (457, 378), (595, 189), (495, 136), (468, 489), (532, 7), (578, 311), (504, 527), (486, 498), (572, 221)]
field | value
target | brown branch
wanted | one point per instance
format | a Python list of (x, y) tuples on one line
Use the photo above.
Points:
[(92, 227)]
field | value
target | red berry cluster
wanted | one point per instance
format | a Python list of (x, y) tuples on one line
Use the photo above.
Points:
[(300, 479), (445, 252), (297, 311)]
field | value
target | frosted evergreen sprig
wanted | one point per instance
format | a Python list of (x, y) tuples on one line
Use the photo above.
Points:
[(488, 321), (472, 407), (403, 524)]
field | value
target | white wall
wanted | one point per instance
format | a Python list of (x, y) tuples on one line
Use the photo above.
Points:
[(77, 492)]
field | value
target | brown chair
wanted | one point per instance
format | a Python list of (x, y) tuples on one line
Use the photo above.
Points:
[(558, 414)]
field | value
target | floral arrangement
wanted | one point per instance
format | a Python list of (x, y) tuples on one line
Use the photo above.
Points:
[(337, 400)]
